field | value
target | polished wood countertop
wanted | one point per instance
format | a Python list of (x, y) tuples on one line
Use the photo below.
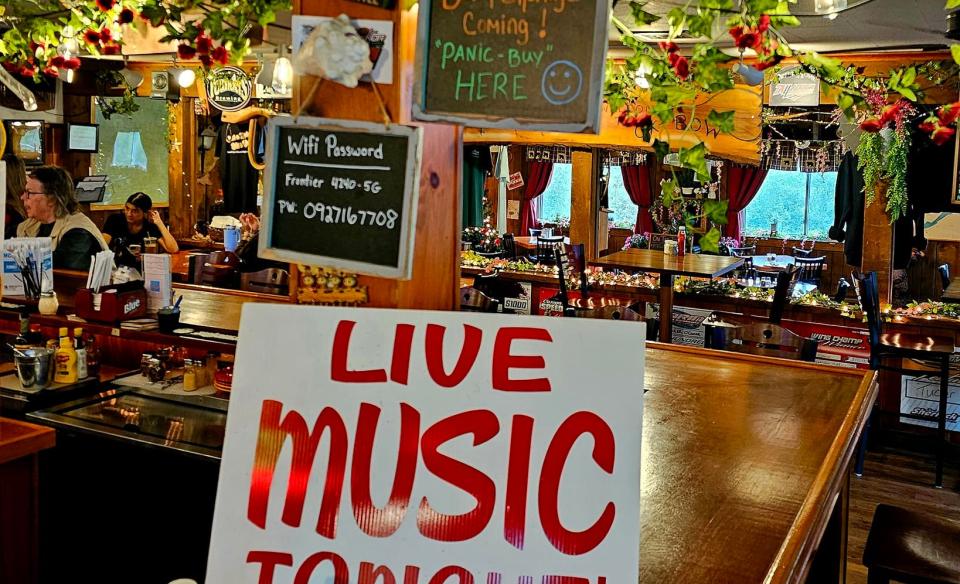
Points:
[(19, 439), (743, 460), (691, 264)]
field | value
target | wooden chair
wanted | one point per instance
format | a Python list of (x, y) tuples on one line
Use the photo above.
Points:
[(809, 270), (899, 346), (534, 232), (799, 252), (268, 281), (546, 246), (221, 269), (509, 246), (912, 547), (944, 271), (765, 339), (473, 300)]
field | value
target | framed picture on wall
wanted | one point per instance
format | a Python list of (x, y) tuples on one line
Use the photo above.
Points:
[(25, 139)]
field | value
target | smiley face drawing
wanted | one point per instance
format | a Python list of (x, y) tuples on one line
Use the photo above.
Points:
[(561, 83)]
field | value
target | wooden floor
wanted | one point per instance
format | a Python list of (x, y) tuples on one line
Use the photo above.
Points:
[(900, 478)]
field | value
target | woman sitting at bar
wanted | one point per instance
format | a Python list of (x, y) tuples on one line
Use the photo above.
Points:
[(138, 221), (53, 211), (16, 183)]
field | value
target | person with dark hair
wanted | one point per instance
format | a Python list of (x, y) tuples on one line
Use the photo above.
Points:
[(16, 184), (52, 211), (138, 220)]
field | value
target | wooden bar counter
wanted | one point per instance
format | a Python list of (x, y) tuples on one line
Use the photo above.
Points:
[(20, 444), (745, 467)]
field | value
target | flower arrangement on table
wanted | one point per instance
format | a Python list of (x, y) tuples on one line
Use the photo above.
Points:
[(637, 241), (638, 280), (931, 310), (727, 244)]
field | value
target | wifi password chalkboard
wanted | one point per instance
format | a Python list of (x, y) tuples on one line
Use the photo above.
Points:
[(341, 194), (523, 64)]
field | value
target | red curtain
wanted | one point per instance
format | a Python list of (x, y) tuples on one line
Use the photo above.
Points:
[(743, 183), (636, 179), (537, 182)]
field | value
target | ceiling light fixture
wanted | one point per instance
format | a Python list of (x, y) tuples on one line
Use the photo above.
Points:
[(185, 77), (282, 73)]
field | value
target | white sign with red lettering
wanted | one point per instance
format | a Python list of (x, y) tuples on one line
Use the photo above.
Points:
[(412, 447)]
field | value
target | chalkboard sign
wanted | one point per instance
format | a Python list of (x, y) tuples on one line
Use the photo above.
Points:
[(512, 64), (341, 194)]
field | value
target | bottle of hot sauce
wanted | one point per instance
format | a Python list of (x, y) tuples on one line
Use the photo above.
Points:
[(682, 241)]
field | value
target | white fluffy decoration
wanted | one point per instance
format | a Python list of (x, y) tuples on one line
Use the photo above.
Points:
[(336, 52)]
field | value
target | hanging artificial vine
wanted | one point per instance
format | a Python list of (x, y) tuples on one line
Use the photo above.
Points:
[(126, 105), (870, 161)]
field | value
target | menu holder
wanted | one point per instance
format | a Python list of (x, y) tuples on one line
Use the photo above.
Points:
[(112, 303)]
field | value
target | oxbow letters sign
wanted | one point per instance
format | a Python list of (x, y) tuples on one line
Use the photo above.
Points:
[(415, 447), (512, 64)]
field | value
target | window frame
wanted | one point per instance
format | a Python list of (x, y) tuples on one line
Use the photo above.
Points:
[(808, 179)]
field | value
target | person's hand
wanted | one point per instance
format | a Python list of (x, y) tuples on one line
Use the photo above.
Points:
[(250, 222), (153, 216)]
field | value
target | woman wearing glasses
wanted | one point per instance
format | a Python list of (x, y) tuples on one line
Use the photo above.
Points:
[(53, 211)]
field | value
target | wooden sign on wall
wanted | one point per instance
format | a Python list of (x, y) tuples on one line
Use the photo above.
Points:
[(507, 64), (740, 146)]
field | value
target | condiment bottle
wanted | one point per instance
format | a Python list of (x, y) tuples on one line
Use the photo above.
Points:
[(22, 342), (79, 345), (682, 241), (189, 375), (66, 358), (93, 357), (48, 304)]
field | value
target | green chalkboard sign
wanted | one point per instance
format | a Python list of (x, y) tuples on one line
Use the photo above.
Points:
[(341, 194), (512, 63)]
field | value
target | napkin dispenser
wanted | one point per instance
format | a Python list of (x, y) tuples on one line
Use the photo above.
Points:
[(113, 303)]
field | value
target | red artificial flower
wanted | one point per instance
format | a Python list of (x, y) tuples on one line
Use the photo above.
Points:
[(106, 5), (942, 135), (56, 61), (949, 113), (111, 49), (220, 55), (764, 65), (748, 40), (92, 37), (186, 52), (736, 32), (204, 44), (673, 58), (890, 113), (105, 35), (126, 16), (28, 70), (929, 125), (682, 68), (51, 72), (764, 23), (871, 126), (644, 119), (35, 45), (670, 47), (206, 61), (71, 63), (9, 66)]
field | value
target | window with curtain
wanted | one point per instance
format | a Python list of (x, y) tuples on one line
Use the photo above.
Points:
[(801, 203), (134, 152), (555, 201), (623, 213)]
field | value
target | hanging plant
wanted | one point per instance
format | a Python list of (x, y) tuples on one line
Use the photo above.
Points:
[(870, 162), (126, 105), (896, 172)]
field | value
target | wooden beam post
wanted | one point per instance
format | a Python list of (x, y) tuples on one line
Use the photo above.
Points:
[(583, 203), (878, 244)]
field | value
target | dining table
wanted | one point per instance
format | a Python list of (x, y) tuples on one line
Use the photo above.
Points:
[(778, 264), (531, 242), (668, 267), (746, 463)]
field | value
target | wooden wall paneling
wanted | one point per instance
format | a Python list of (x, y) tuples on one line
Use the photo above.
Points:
[(583, 202), (878, 244), (182, 168), (516, 163), (435, 281)]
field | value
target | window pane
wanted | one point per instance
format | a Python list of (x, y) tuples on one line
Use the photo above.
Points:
[(821, 204), (134, 152), (780, 199), (555, 201), (623, 212)]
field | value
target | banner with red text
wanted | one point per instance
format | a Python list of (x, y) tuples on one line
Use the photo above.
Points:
[(415, 447)]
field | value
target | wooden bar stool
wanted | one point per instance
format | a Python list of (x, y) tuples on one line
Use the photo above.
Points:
[(913, 548)]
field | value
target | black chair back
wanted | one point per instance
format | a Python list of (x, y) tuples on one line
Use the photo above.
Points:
[(473, 300), (799, 252), (786, 280), (560, 258), (742, 252), (842, 287), (546, 248), (866, 288), (809, 270), (578, 260), (944, 271), (509, 246)]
